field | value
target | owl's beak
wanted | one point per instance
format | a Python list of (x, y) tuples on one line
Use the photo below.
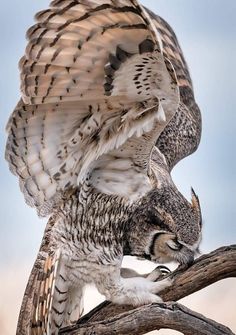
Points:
[(187, 260), (190, 260)]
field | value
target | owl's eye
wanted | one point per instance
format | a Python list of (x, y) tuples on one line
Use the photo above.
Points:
[(174, 245)]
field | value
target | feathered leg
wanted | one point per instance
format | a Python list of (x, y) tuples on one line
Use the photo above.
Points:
[(74, 307)]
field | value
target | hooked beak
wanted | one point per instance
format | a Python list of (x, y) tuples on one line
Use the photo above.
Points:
[(186, 261)]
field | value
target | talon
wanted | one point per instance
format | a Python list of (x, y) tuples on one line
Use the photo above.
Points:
[(164, 269), (159, 272)]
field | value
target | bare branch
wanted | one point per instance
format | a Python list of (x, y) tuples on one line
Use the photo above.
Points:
[(206, 270), (151, 317)]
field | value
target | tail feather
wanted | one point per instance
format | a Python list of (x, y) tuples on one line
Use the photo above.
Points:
[(43, 297), (50, 301), (25, 316)]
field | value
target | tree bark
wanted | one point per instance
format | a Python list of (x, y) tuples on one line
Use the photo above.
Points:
[(151, 317), (108, 318)]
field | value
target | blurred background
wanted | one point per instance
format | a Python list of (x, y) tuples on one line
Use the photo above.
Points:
[(206, 31)]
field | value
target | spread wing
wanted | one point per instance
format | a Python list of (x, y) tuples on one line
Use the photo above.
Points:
[(92, 74), (182, 135)]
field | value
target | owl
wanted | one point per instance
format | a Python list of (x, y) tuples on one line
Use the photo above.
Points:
[(107, 110)]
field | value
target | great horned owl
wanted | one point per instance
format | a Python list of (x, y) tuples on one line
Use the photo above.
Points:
[(102, 83)]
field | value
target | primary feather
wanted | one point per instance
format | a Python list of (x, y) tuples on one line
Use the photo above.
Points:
[(94, 75)]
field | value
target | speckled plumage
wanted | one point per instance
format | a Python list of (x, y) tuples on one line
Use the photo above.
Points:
[(103, 82)]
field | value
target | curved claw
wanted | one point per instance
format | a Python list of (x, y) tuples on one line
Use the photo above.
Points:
[(159, 272), (164, 269)]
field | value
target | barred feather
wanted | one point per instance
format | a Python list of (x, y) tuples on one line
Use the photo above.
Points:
[(88, 65)]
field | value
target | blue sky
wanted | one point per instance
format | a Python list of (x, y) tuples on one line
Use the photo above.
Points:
[(207, 32)]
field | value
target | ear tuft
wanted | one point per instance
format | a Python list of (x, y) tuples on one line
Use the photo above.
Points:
[(195, 199), (195, 203)]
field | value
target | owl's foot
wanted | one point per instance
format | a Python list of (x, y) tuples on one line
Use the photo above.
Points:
[(160, 285), (159, 272), (137, 291)]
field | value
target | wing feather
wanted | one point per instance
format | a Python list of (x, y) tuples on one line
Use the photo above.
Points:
[(79, 37), (182, 135), (88, 65)]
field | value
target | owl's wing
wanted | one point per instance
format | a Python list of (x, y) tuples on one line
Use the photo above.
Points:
[(126, 170), (182, 135), (76, 48), (87, 65)]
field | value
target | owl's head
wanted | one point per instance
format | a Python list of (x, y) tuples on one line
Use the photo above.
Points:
[(166, 227)]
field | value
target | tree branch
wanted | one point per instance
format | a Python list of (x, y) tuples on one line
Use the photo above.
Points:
[(206, 270), (152, 317)]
